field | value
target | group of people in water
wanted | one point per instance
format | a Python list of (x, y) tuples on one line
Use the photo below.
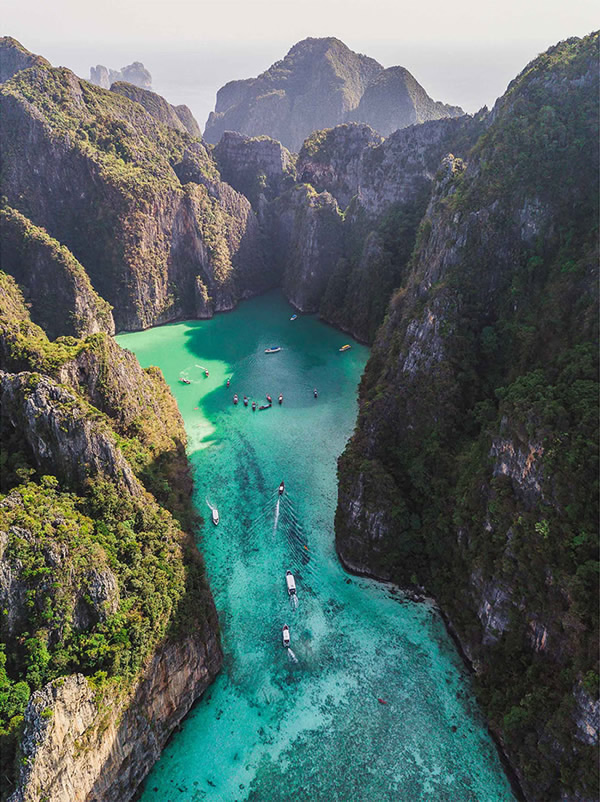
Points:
[(269, 398), (268, 405)]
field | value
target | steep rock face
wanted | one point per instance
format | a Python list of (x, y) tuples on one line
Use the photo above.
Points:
[(113, 381), (138, 402), (122, 629), (178, 117), (141, 207), (394, 99), (135, 74), (471, 469), (313, 87), (55, 284), (258, 167), (14, 58), (75, 750), (404, 165), (306, 235), (384, 187), (331, 160), (61, 433), (320, 84)]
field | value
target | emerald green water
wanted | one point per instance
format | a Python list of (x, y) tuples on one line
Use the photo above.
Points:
[(271, 728)]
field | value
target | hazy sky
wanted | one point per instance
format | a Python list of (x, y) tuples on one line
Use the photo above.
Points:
[(463, 52)]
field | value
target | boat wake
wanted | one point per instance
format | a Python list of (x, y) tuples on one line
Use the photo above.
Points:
[(291, 655), (276, 517), (294, 601)]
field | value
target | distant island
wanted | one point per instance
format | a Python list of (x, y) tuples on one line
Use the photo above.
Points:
[(135, 74)]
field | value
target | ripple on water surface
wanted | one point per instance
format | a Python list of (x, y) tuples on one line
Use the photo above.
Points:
[(271, 727)]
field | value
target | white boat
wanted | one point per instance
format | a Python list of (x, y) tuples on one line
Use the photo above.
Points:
[(290, 582), (293, 317), (286, 636), (215, 515), (273, 349), (282, 488)]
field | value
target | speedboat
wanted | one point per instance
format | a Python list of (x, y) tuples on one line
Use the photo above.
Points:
[(235, 399), (290, 582), (281, 488), (315, 393), (280, 398), (254, 406), (273, 349), (184, 381), (269, 399), (293, 317), (286, 636), (245, 400), (265, 406), (215, 515), (206, 373), (228, 382), (345, 347)]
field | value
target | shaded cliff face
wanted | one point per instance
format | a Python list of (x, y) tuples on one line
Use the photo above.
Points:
[(321, 83), (394, 99), (313, 87), (260, 167), (139, 205), (306, 234), (61, 297), (383, 188), (122, 633), (472, 469), (331, 160)]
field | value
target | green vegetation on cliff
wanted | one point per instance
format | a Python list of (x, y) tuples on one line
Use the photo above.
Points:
[(139, 205), (95, 576), (60, 295), (474, 466)]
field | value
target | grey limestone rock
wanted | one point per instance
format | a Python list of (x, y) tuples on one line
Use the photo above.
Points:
[(135, 74), (394, 99)]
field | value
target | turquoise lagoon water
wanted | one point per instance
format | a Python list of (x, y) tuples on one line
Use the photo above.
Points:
[(305, 725)]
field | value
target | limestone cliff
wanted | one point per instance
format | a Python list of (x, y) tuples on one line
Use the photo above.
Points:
[(258, 167), (331, 160), (472, 466), (178, 117), (321, 83), (122, 633), (56, 286), (394, 99), (73, 749), (60, 433), (306, 239), (14, 58), (139, 205), (313, 87), (383, 188)]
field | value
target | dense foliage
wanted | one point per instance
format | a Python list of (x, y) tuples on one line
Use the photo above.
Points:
[(59, 292), (477, 442), (97, 578)]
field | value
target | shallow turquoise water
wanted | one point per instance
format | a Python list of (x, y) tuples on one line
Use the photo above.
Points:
[(271, 728)]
